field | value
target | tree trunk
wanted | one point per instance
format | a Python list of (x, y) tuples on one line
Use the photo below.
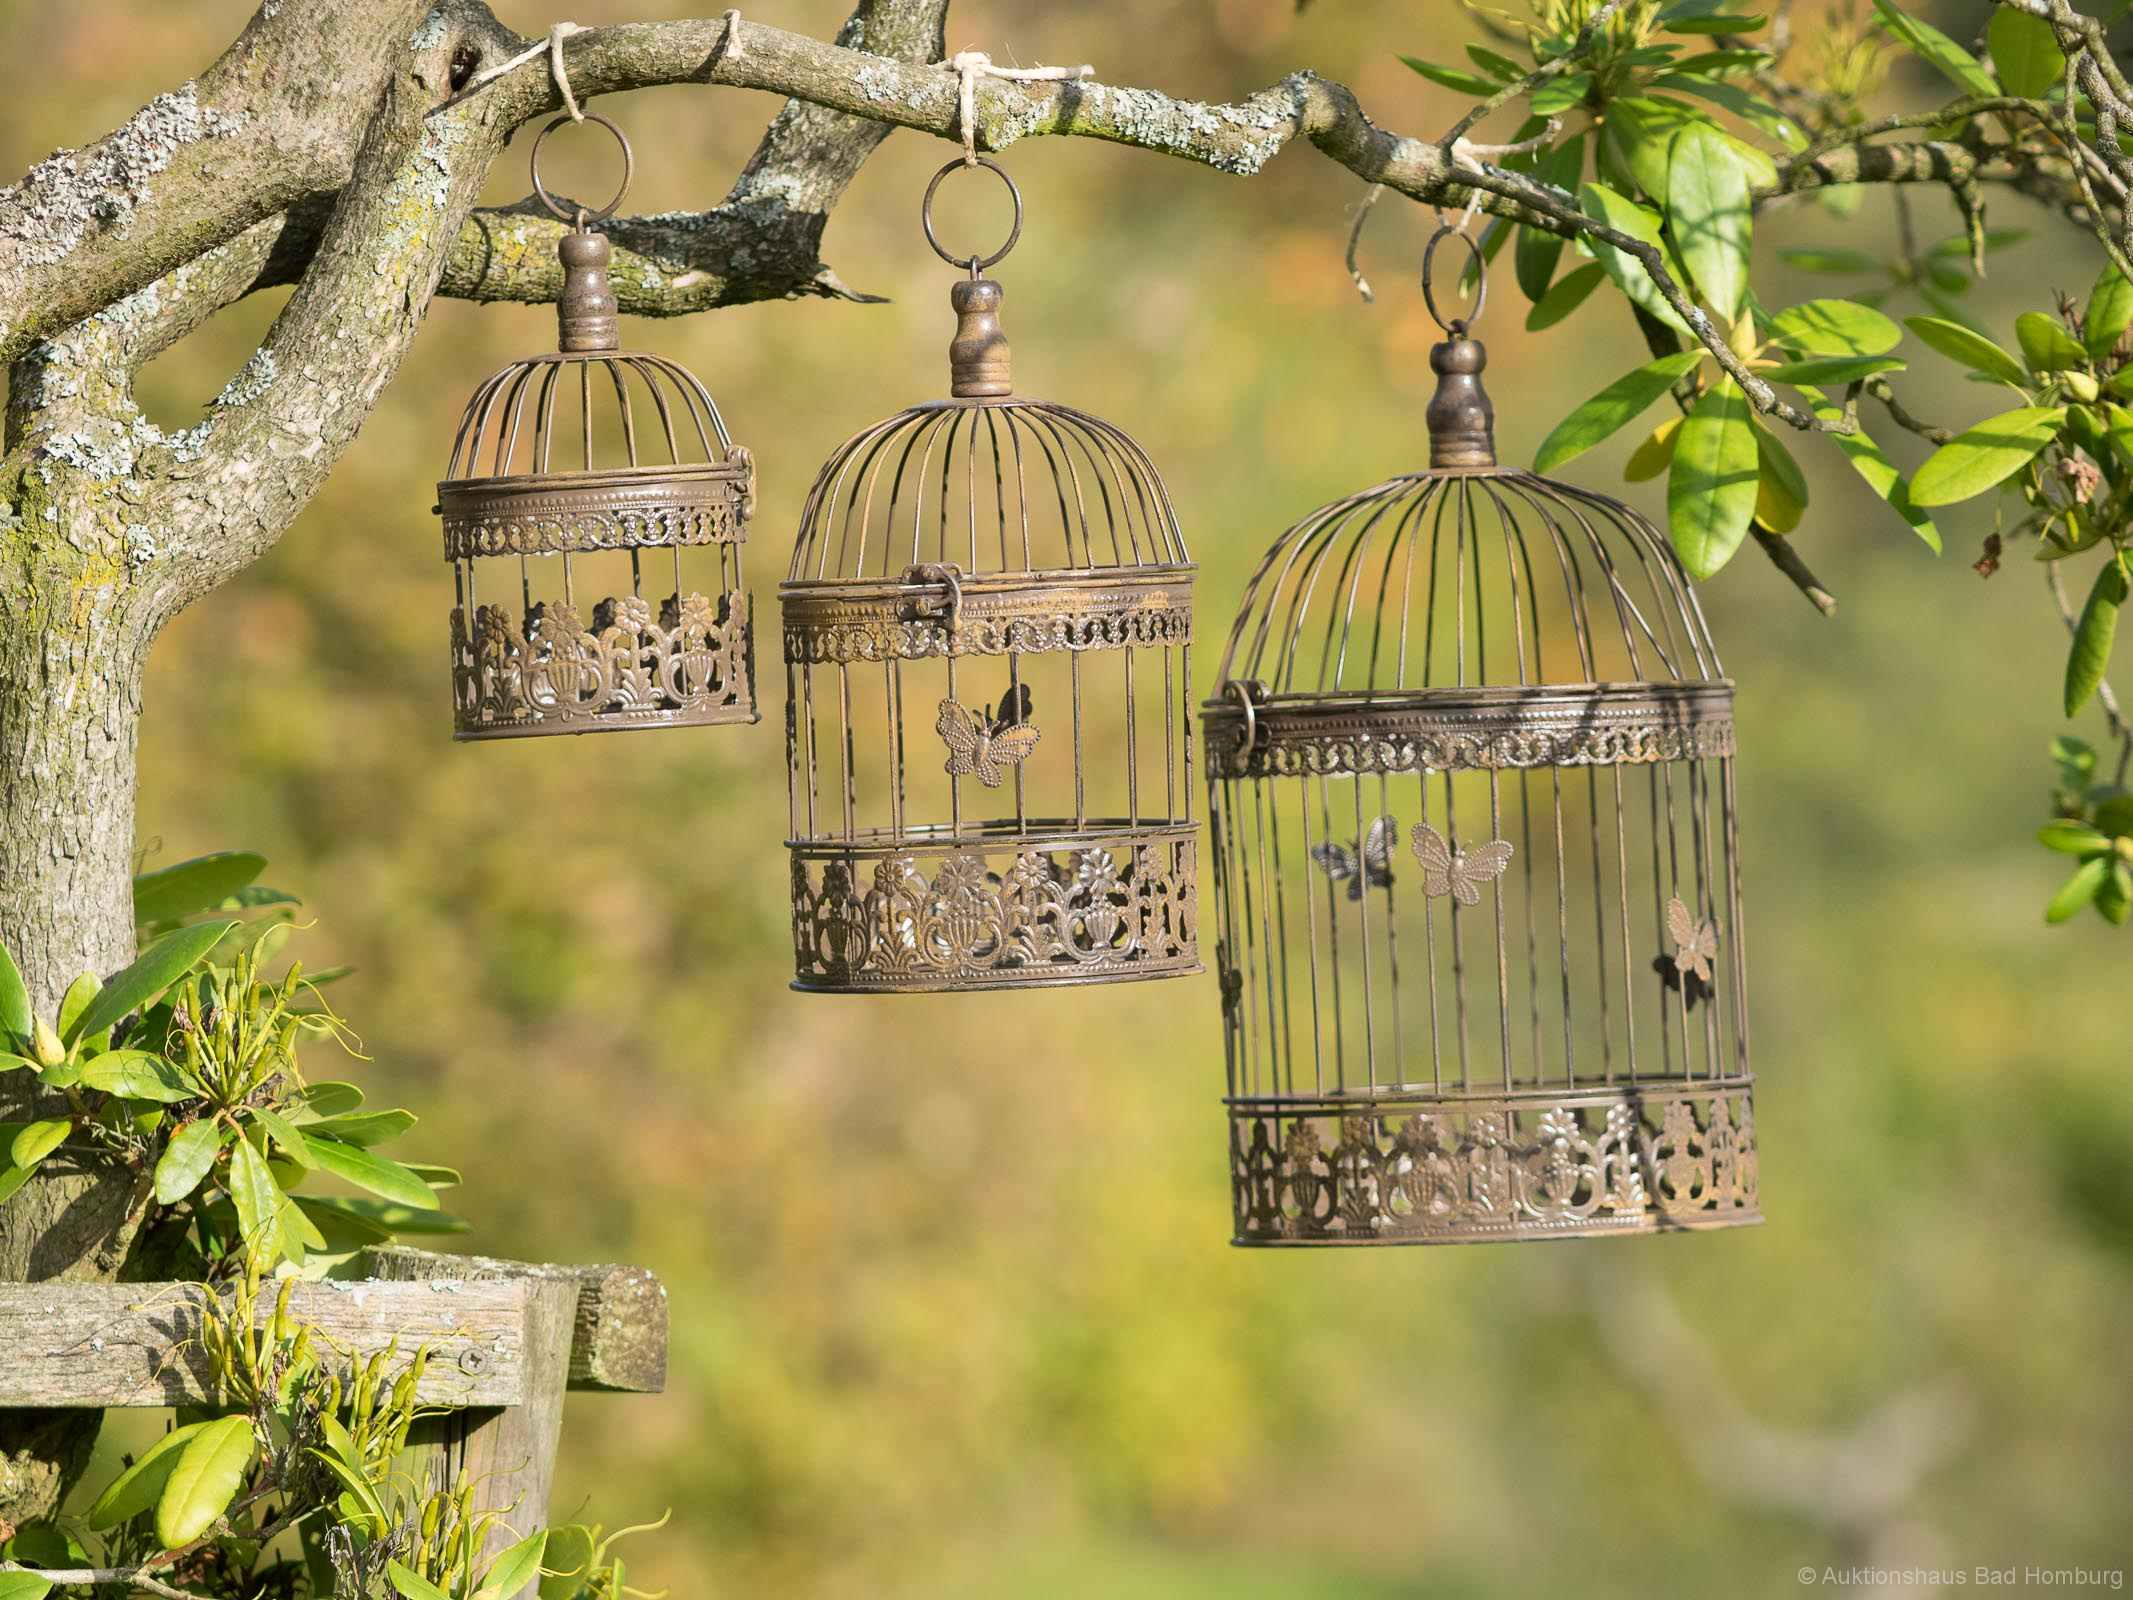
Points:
[(71, 655)]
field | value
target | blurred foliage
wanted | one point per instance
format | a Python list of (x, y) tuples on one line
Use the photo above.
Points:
[(953, 1310)]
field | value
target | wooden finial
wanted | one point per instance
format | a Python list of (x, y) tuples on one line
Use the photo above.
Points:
[(978, 359), (585, 311), (1462, 422)]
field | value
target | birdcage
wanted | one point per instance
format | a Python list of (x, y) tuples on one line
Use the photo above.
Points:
[(988, 631), (593, 516), (1476, 868)]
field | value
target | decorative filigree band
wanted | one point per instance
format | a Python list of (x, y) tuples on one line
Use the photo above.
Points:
[(1025, 613), (554, 673), (1631, 1158), (1448, 730), (1056, 910), (573, 513)]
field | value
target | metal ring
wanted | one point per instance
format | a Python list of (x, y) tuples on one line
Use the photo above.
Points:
[(950, 577), (1457, 326), (578, 214), (925, 214), (1246, 693)]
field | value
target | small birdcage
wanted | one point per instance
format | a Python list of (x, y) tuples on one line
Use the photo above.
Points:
[(988, 631), (1476, 868), (593, 516)]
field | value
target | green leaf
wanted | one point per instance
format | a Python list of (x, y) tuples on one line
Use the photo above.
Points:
[(2072, 838), (1539, 251), (163, 964), (1950, 59), (412, 1585), (1707, 206), (138, 1075), (368, 1170), (517, 1566), (1735, 22), (371, 1509), (2086, 661), (38, 1140), (1613, 408), (1781, 491), (2115, 816), (366, 1128), (1831, 369), (206, 1479), (76, 1001), (1627, 217), (141, 1485), (2046, 344), (1560, 94), (1755, 112), (2110, 310), (190, 887), (1569, 292), (2114, 896), (1846, 261), (1452, 77), (186, 1160), (288, 1138), (568, 1560), (1989, 453), (1711, 489), (327, 1099), (1655, 454), (1502, 68), (381, 1218), (2025, 51), (1834, 328), (1970, 348), (1637, 137), (16, 1019), (24, 1586), (258, 1199), (2078, 890)]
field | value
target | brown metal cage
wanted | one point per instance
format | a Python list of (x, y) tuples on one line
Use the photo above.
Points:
[(594, 512), (1476, 877), (988, 631)]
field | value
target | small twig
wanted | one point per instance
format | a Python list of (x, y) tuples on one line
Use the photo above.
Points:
[(1787, 560), (99, 1577), (1355, 240)]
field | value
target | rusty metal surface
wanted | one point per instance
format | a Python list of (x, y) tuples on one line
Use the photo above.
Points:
[(987, 639), (594, 512), (1477, 908)]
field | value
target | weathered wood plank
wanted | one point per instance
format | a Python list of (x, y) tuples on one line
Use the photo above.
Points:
[(98, 1345), (509, 1453), (619, 1343)]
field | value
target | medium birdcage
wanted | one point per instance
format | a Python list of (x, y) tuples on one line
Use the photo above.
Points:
[(1476, 869), (593, 516), (988, 627)]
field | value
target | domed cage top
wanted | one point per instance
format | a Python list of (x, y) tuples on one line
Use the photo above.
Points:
[(594, 513), (1478, 907), (988, 631)]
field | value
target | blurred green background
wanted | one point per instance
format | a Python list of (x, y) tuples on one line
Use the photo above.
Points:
[(954, 1312)]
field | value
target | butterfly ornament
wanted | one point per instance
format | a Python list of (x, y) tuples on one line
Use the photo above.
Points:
[(1365, 865), (1460, 873), (1695, 948), (990, 745)]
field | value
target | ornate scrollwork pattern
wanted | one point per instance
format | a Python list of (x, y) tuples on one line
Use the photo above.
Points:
[(526, 517), (1634, 1159), (1031, 615), (555, 673), (1451, 730), (1044, 913)]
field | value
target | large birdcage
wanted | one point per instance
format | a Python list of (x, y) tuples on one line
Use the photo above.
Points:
[(1477, 891), (594, 513), (988, 630)]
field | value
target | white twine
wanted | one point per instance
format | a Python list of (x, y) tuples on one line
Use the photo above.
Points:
[(971, 65)]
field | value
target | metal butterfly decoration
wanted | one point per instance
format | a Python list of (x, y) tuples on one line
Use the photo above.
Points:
[(1695, 948), (1367, 864), (989, 745), (1449, 869)]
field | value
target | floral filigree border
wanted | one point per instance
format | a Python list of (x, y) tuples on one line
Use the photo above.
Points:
[(1651, 1158), (1033, 615), (1107, 909), (1608, 725), (562, 525), (555, 673)]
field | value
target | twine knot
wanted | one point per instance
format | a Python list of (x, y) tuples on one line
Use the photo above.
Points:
[(971, 65)]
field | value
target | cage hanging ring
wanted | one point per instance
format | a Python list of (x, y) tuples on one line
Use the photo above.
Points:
[(975, 263), (578, 215), (1456, 326), (1246, 693)]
